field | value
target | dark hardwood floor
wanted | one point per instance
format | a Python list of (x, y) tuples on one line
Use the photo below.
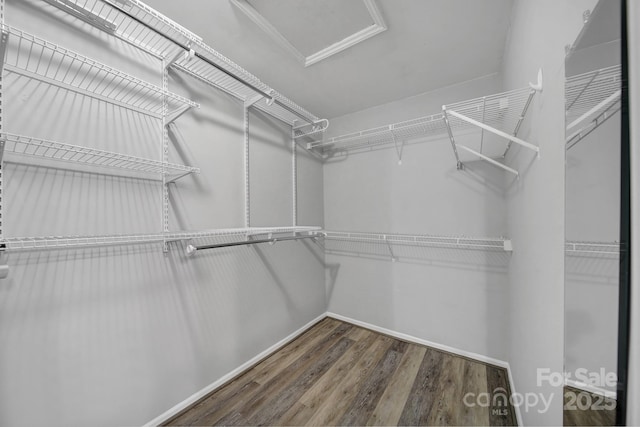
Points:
[(582, 408), (340, 374)]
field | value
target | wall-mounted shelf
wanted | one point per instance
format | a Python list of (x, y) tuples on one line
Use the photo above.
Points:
[(149, 30), (591, 99), (501, 114), (36, 58), (451, 242), (40, 148), (389, 134), (595, 248), (13, 244)]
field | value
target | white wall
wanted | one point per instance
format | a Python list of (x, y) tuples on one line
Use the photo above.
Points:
[(591, 285), (633, 387), (118, 335), (451, 297), (539, 32)]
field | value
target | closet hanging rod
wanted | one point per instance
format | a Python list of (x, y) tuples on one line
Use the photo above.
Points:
[(191, 249), (208, 61)]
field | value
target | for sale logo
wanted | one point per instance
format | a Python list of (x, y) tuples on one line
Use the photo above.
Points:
[(500, 401)]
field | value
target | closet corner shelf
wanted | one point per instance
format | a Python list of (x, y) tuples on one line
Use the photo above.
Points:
[(501, 114), (574, 247), (591, 99), (18, 244), (446, 242), (26, 146), (147, 29), (30, 56)]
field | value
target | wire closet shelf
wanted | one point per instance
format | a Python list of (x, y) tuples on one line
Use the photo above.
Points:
[(16, 244), (452, 242), (20, 145), (38, 59), (500, 113), (591, 99), (145, 28), (578, 248)]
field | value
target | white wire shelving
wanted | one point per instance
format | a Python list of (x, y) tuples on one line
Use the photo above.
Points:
[(38, 59), (17, 244), (51, 150), (501, 114), (452, 242), (591, 99), (595, 248), (149, 30), (389, 134)]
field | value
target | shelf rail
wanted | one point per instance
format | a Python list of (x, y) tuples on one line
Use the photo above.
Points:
[(17, 244), (51, 150), (591, 99), (595, 248), (38, 59), (453, 242), (192, 249)]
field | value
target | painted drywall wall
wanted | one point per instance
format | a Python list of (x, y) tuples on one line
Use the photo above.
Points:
[(633, 38), (451, 297), (119, 335), (591, 285), (540, 31)]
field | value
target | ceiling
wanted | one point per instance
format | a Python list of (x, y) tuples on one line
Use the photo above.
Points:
[(428, 44)]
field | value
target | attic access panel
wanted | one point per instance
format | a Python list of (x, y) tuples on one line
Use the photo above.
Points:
[(320, 28)]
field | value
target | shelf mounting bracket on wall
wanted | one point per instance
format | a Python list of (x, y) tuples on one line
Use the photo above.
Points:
[(4, 39), (173, 116)]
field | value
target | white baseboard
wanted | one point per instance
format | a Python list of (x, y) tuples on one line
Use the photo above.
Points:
[(222, 380), (475, 356), (512, 385), (591, 389), (410, 338)]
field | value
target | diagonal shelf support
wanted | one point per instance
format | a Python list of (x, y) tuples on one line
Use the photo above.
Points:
[(490, 160), (613, 98), (175, 114), (393, 257), (579, 135), (520, 120), (445, 118), (495, 131)]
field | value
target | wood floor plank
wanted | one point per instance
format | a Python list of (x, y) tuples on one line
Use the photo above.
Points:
[(338, 401), (475, 384), (297, 415), (341, 374), (316, 395), (280, 403), (210, 410), (501, 413), (595, 414), (214, 406), (373, 387), (241, 415), (266, 371), (447, 407), (391, 404), (421, 397)]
